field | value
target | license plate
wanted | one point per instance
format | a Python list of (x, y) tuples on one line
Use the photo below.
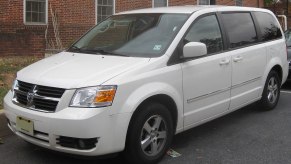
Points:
[(24, 125)]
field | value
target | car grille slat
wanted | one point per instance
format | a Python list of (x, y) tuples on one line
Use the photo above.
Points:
[(49, 94), (44, 105), (45, 108), (22, 100), (47, 102), (24, 86), (50, 91), (43, 98)]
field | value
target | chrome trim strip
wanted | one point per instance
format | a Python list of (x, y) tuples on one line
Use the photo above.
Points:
[(208, 95), (222, 90), (38, 96), (246, 82)]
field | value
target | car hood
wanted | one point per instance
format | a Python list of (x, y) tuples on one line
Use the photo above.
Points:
[(75, 70)]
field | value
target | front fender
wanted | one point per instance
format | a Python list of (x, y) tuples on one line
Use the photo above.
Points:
[(148, 90)]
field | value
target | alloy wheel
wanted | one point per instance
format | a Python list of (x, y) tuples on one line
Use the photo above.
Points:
[(272, 90), (153, 135)]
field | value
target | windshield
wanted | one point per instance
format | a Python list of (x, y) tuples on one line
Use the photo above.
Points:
[(136, 35), (288, 38)]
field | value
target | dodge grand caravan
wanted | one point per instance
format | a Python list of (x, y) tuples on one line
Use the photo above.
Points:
[(138, 78)]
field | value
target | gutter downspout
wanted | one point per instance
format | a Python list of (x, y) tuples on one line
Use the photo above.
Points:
[(285, 21)]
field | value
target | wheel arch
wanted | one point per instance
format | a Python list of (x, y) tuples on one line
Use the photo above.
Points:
[(164, 99), (276, 65), (279, 70)]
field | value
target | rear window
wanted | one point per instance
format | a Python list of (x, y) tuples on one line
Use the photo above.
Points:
[(269, 27), (240, 29)]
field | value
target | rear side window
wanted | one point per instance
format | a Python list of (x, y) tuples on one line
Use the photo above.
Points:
[(240, 29), (206, 30), (269, 27)]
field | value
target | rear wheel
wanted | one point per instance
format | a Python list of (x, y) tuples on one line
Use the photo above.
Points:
[(271, 91), (150, 134)]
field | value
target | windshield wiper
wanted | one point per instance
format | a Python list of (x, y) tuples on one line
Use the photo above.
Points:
[(94, 51), (104, 52), (82, 50), (75, 48)]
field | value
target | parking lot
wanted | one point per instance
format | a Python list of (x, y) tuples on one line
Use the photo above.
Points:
[(245, 136)]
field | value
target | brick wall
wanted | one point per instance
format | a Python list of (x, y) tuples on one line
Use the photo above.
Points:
[(15, 38), (182, 2), (74, 17), (125, 5)]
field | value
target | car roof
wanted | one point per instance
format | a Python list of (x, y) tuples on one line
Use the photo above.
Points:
[(191, 8)]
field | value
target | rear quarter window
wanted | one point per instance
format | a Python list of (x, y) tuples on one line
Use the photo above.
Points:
[(269, 27)]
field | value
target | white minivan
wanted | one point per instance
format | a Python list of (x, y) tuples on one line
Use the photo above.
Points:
[(138, 78)]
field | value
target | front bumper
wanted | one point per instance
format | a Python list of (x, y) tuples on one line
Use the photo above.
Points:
[(83, 123)]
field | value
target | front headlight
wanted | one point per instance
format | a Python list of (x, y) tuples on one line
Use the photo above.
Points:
[(93, 97)]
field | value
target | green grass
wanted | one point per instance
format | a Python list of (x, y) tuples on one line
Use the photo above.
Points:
[(8, 68), (3, 92)]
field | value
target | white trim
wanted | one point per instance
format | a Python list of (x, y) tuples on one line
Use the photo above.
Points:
[(96, 10), (153, 3), (35, 23)]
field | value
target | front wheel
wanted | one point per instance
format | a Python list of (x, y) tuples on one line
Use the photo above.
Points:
[(150, 134), (271, 91)]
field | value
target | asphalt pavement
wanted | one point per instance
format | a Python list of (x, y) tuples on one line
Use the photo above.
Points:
[(246, 136)]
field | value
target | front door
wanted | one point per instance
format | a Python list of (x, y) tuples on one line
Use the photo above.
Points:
[(207, 80)]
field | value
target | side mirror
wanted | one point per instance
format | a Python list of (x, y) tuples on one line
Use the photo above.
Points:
[(194, 49)]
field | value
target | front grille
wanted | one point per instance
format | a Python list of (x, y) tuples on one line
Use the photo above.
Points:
[(37, 97), (41, 90), (77, 143)]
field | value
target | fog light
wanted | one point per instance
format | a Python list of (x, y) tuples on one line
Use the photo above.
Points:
[(77, 143)]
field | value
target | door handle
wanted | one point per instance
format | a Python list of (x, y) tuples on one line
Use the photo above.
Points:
[(238, 59), (224, 62)]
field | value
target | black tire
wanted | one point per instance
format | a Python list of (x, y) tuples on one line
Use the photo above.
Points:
[(267, 103), (149, 113)]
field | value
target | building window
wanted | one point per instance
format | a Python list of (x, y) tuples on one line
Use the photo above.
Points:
[(238, 2), (206, 2), (105, 8), (35, 11), (160, 3)]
